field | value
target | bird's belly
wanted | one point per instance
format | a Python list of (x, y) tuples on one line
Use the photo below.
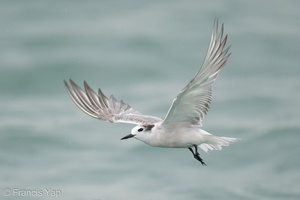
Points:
[(174, 141)]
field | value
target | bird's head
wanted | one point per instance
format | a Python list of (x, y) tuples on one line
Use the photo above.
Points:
[(140, 132)]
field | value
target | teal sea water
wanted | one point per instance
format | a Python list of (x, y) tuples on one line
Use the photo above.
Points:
[(144, 52)]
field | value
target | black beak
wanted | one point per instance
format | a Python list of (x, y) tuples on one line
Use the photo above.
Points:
[(127, 136)]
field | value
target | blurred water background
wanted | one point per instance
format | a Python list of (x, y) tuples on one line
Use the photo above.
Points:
[(144, 52)]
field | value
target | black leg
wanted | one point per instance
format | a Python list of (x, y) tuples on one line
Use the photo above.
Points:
[(197, 155)]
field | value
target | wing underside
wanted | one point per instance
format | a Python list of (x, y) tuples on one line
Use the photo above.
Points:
[(103, 108), (192, 103)]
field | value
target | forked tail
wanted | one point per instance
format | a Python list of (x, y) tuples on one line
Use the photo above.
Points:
[(216, 143)]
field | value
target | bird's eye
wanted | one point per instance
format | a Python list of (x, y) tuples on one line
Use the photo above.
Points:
[(140, 129)]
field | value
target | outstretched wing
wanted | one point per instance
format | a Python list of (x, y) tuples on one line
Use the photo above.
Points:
[(192, 103), (107, 109)]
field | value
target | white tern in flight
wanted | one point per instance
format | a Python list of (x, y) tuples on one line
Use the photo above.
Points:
[(180, 127)]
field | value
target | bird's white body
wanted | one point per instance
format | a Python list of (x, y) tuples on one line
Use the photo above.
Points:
[(180, 127), (181, 138)]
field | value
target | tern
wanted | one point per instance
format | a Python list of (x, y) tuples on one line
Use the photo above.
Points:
[(181, 126)]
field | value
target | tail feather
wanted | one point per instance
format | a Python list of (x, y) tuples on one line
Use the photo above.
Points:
[(216, 143)]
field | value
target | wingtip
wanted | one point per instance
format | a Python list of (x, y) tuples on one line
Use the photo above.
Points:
[(72, 82), (216, 26), (86, 86), (65, 82), (216, 22)]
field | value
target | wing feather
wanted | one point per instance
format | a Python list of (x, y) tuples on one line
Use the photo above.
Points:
[(107, 109), (192, 103)]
